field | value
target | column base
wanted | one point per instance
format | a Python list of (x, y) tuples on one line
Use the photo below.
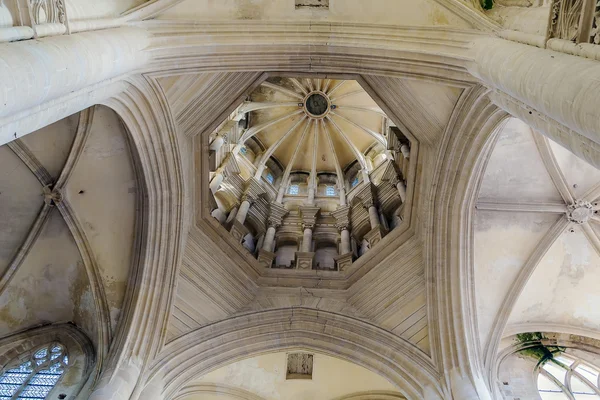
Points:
[(375, 235), (238, 231), (266, 258), (343, 261), (304, 260)]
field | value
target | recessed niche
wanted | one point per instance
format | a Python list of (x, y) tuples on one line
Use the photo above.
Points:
[(299, 366), (317, 4)]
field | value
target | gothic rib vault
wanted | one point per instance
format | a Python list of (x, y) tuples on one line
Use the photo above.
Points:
[(162, 160)]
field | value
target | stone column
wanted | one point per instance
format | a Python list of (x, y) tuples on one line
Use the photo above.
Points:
[(305, 257), (346, 247), (217, 144), (276, 213), (307, 237), (560, 87), (373, 214), (342, 222), (377, 232), (244, 208), (401, 186), (238, 230), (30, 100)]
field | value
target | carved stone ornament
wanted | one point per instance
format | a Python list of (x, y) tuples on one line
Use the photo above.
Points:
[(580, 212), (304, 260), (52, 196)]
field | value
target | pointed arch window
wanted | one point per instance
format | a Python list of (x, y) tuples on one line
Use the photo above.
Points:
[(35, 377), (567, 377)]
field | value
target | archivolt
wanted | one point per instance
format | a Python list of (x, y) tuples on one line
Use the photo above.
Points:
[(222, 343)]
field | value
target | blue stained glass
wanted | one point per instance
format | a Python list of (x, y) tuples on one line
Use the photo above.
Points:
[(270, 178), (294, 189), (330, 191), (355, 182), (34, 379), (244, 151)]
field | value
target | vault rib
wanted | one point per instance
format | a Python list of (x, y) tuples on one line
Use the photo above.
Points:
[(519, 284), (81, 136), (341, 96), (265, 157), (256, 129), (552, 167), (93, 274), (375, 110), (335, 88), (359, 156), (283, 90), (592, 237), (22, 151), (255, 106), (299, 86), (26, 246), (557, 208), (377, 136)]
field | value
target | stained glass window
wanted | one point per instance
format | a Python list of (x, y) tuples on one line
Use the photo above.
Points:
[(270, 178), (244, 151), (566, 377), (34, 378), (294, 189), (330, 191), (355, 182)]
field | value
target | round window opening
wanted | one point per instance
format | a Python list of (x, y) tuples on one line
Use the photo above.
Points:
[(317, 104)]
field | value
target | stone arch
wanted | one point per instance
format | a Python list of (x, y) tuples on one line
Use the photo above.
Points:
[(140, 334), (284, 329), (464, 151)]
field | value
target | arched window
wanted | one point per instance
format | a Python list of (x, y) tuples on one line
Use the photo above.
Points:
[(354, 182), (35, 377), (330, 191), (566, 377)]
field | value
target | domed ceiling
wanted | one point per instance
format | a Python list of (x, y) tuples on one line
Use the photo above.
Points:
[(336, 119)]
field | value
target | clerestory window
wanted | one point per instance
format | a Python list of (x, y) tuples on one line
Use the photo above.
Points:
[(294, 189), (330, 191), (36, 377), (354, 182), (565, 378), (270, 178)]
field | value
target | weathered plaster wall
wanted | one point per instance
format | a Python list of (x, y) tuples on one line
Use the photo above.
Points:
[(265, 376), (563, 288), (396, 12), (50, 286), (503, 243)]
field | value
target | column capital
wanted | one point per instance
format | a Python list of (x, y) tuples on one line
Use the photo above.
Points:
[(309, 216), (342, 217), (276, 213)]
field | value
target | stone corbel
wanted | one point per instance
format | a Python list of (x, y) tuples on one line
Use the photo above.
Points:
[(266, 258), (374, 236), (304, 260), (238, 231), (342, 217), (276, 214), (309, 215), (343, 261)]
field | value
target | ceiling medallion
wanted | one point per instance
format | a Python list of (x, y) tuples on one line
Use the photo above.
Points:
[(317, 105), (580, 212)]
